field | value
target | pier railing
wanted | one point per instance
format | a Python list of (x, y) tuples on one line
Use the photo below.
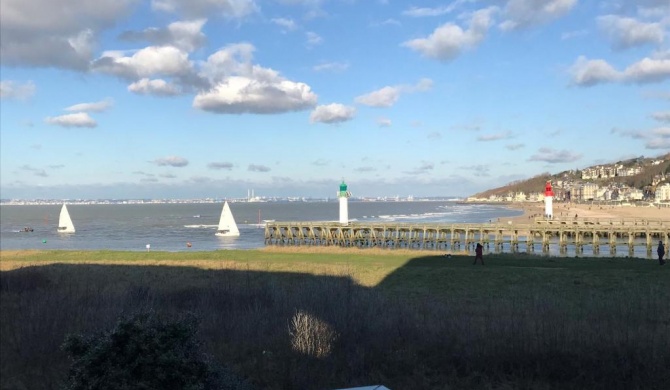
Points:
[(578, 234), (602, 221)]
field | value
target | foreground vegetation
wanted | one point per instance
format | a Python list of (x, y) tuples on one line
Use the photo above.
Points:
[(287, 319)]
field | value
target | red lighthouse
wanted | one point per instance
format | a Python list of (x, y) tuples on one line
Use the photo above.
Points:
[(548, 201)]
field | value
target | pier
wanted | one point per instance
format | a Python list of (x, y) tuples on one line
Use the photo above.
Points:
[(616, 234)]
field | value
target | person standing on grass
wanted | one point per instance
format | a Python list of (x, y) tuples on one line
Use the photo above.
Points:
[(661, 252), (479, 253)]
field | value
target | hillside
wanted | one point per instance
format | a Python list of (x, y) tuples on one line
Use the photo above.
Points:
[(651, 173)]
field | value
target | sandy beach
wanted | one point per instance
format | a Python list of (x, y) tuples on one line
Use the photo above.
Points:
[(570, 210)]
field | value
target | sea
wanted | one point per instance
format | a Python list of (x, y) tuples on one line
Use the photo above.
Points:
[(178, 227)]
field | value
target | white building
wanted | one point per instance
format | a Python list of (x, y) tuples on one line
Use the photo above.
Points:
[(635, 194), (586, 191), (662, 193)]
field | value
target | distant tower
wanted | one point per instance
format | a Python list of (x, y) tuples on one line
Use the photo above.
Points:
[(548, 201), (344, 196)]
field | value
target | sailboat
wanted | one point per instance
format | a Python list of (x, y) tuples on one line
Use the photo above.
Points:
[(65, 224), (227, 226)]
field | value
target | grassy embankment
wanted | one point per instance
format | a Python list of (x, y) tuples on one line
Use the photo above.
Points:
[(328, 319)]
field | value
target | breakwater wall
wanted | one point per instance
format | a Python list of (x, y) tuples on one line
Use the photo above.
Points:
[(623, 234)]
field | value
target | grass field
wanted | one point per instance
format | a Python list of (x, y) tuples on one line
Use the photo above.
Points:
[(322, 319)]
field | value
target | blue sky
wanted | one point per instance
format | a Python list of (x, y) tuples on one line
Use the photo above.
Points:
[(212, 98)]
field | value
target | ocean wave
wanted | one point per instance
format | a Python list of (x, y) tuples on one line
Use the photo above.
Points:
[(200, 226)]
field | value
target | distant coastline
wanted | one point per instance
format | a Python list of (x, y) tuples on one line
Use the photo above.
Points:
[(33, 202)]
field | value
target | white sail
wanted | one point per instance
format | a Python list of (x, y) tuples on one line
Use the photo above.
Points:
[(65, 224), (227, 226)]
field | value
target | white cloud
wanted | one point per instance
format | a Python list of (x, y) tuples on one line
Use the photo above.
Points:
[(332, 113), (238, 94), (221, 165), (36, 171), (553, 156), (591, 72), (587, 73), (313, 38), (574, 34), (658, 138), (100, 106), (365, 169), (171, 161), (241, 87), (79, 119), (494, 137), (384, 122), (306, 3), (14, 90), (232, 60), (661, 116), (387, 22), (425, 167), (157, 87), (385, 97), (648, 70), (449, 40), (625, 32), (185, 35), (286, 24), (147, 62), (48, 33), (514, 146), (654, 9), (258, 168), (389, 95), (419, 12), (331, 67), (519, 14), (478, 170), (658, 143), (230, 9)]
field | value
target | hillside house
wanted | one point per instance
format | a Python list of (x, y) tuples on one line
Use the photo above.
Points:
[(585, 191), (662, 193)]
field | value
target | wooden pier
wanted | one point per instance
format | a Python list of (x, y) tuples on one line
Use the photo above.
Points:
[(540, 233)]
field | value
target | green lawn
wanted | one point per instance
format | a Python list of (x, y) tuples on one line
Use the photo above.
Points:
[(403, 319)]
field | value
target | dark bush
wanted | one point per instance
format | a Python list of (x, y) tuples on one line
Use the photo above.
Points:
[(145, 351)]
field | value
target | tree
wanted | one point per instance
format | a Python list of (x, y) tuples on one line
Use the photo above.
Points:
[(145, 351)]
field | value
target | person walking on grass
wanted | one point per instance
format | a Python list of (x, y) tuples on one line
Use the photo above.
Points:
[(661, 252), (479, 254)]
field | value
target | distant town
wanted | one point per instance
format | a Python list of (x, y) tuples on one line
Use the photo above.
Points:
[(254, 199), (636, 180)]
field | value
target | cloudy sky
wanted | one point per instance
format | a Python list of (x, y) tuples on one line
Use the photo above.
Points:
[(211, 98)]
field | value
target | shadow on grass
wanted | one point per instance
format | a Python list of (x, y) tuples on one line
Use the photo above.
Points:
[(433, 323)]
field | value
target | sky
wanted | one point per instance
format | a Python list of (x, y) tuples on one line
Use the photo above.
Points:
[(213, 98)]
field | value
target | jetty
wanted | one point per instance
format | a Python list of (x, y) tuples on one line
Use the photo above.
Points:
[(539, 234)]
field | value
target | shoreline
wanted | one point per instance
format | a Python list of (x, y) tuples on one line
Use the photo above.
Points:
[(570, 210)]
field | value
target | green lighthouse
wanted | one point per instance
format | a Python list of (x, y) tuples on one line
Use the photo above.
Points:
[(344, 196)]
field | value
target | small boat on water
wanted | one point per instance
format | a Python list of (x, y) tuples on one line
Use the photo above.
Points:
[(26, 229), (65, 224), (227, 226)]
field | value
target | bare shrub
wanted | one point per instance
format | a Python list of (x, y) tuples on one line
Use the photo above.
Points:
[(310, 335)]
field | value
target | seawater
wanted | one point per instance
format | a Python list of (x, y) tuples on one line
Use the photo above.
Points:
[(170, 226)]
